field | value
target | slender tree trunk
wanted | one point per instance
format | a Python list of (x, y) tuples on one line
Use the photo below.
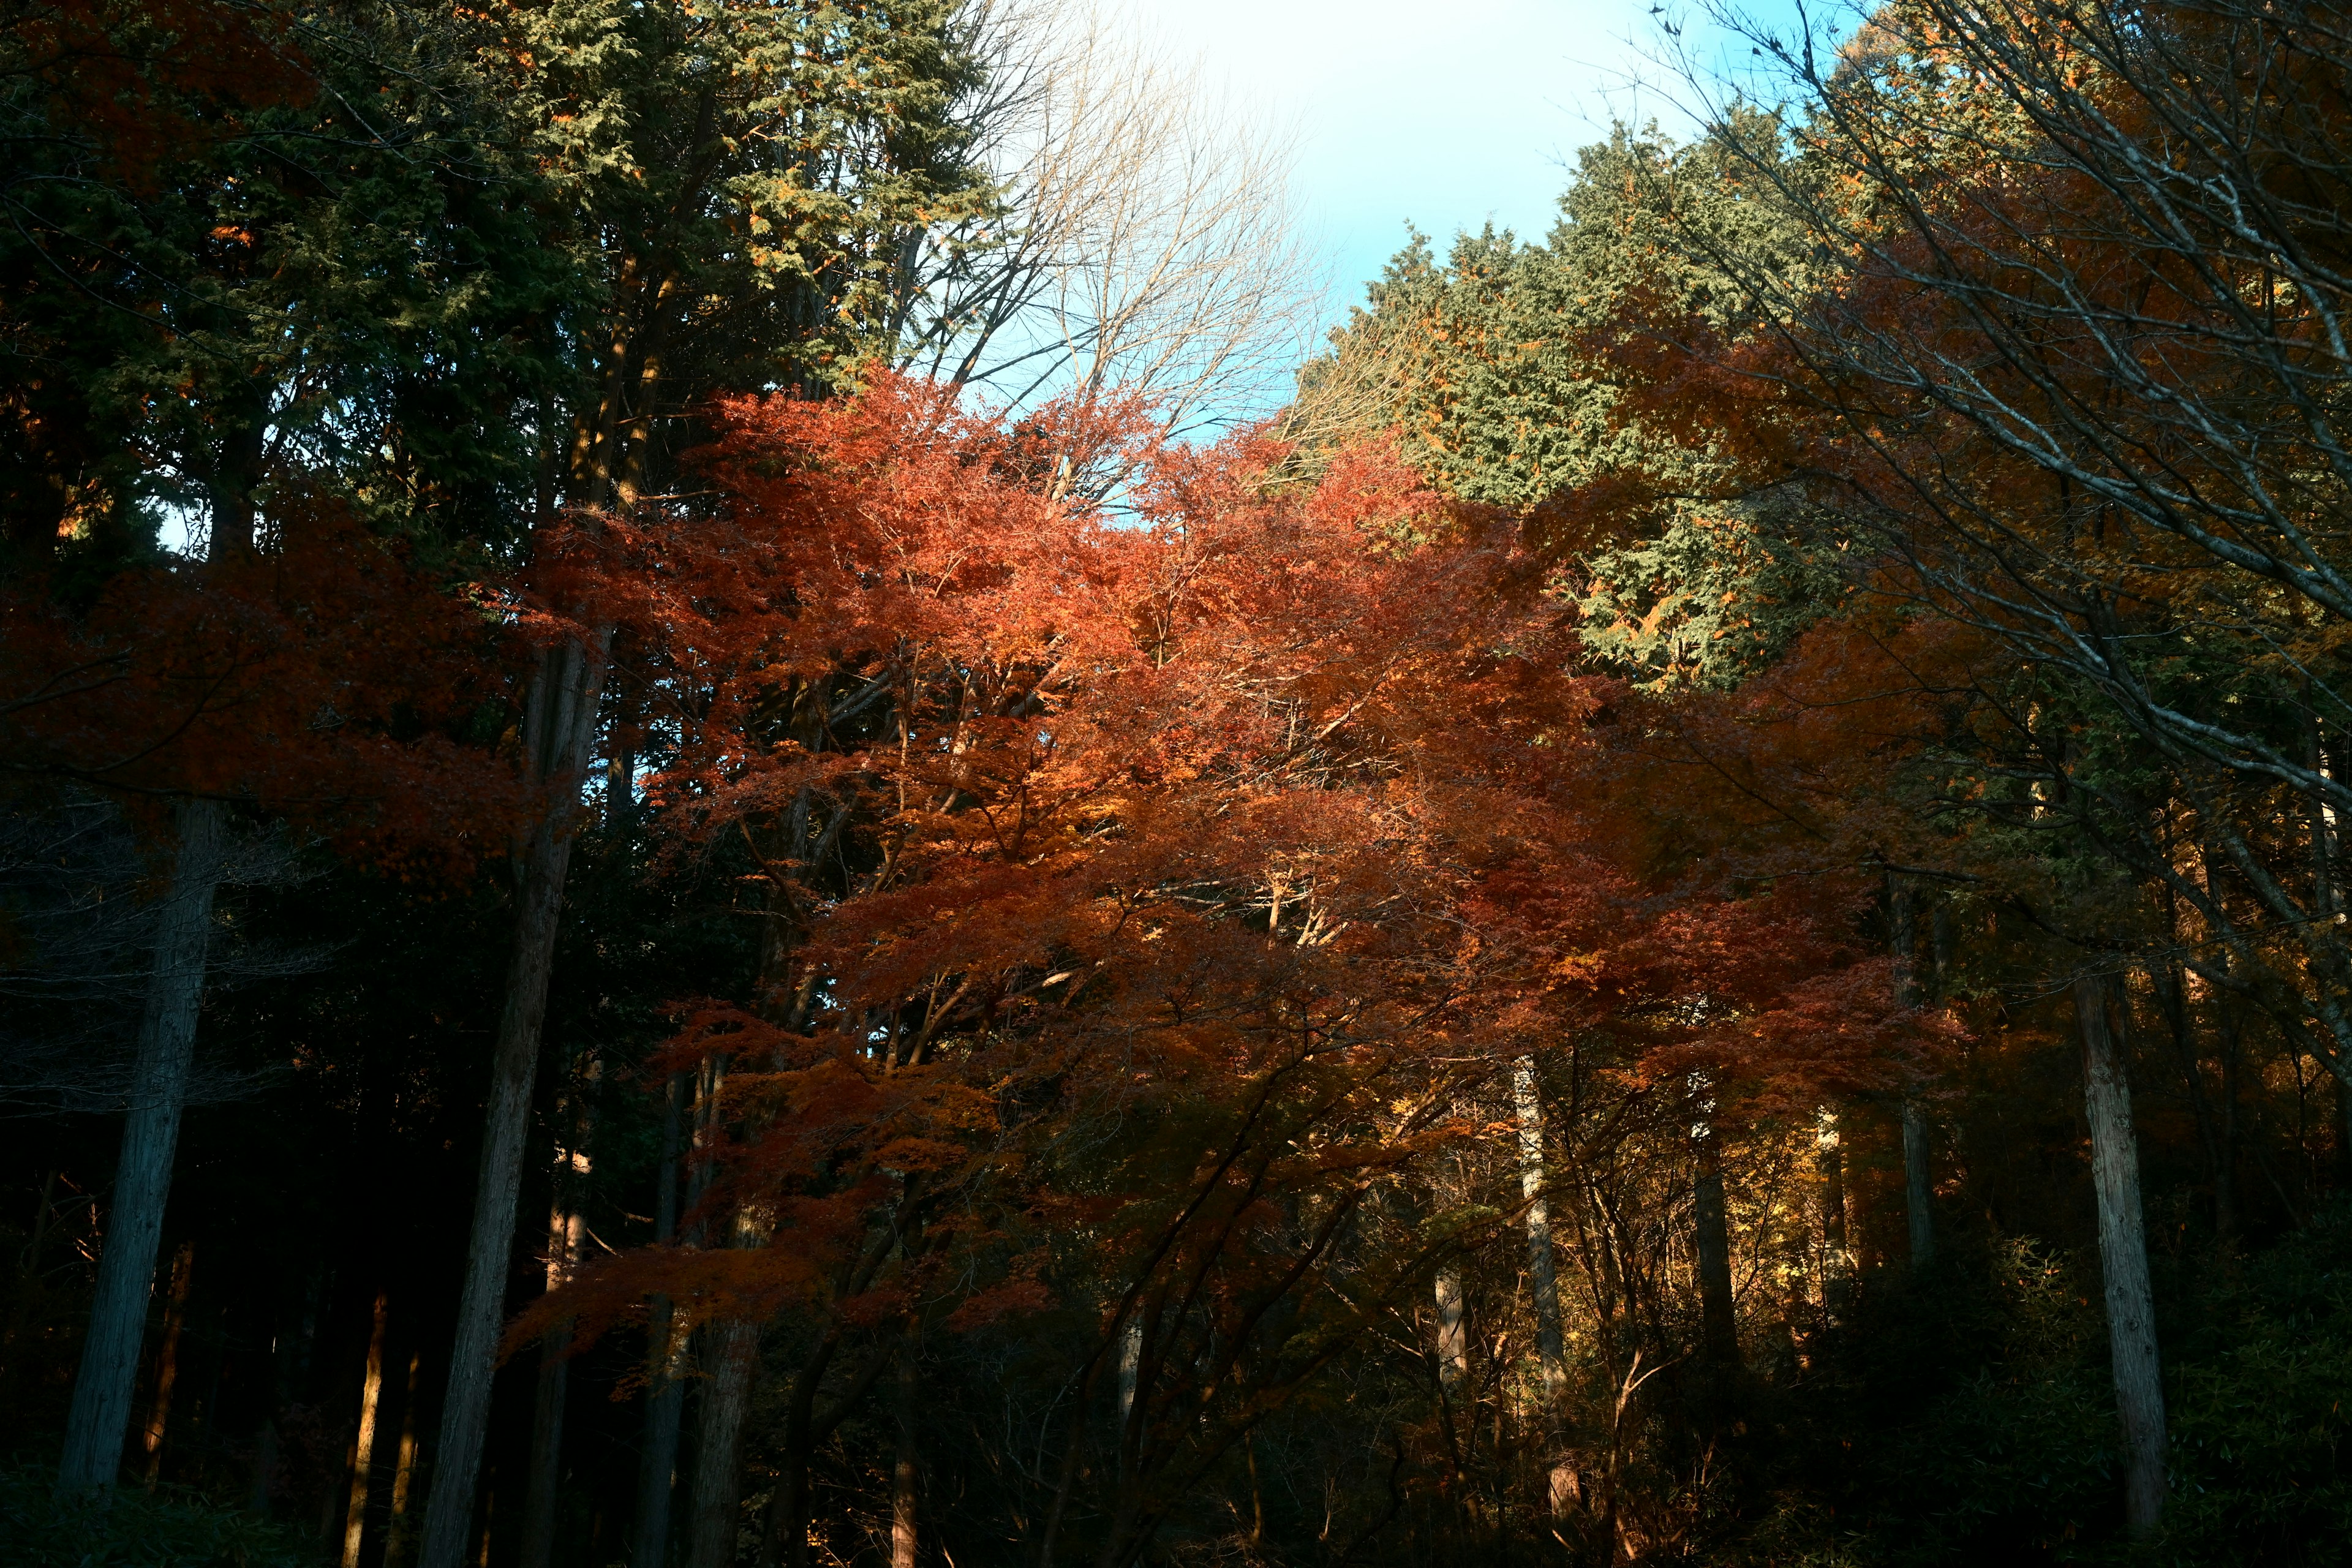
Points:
[(560, 729), (546, 1450), (364, 1445), (731, 1356), (99, 1418), (2225, 1170), (167, 1361), (403, 1466), (1918, 979), (2173, 997), (1712, 1235), (666, 1345), (2122, 1252), (903, 1475), (2226, 1018), (1453, 1337), (1837, 1260), (1919, 1185), (785, 1539), (1131, 1364), (565, 1227), (28, 1282), (2343, 1161), (731, 1347), (1543, 1281)]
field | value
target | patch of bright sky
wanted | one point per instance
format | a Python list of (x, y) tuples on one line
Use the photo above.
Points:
[(1447, 115)]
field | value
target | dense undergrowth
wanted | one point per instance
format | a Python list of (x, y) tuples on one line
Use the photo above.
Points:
[(1970, 1419), (174, 1527)]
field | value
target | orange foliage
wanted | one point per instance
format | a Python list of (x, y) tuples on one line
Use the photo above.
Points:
[(323, 681), (1261, 823)]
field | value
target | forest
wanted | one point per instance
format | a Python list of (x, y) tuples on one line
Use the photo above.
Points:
[(751, 812)]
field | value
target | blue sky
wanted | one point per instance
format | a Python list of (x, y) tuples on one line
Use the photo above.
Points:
[(1443, 112)]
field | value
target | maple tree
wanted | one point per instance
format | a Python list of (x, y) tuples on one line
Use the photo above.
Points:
[(1030, 798)]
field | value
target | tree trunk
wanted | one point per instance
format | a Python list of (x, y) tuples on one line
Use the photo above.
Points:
[(1837, 1260), (903, 1474), (665, 1420), (785, 1539), (731, 1356), (665, 1346), (167, 1361), (2123, 1253), (2343, 1161), (559, 727), (403, 1466), (1918, 980), (1131, 1364), (732, 1350), (2225, 1171), (1919, 1185), (546, 1450), (363, 1444), (100, 1418), (1712, 1236), (565, 1227), (1543, 1281), (1453, 1337), (29, 1274)]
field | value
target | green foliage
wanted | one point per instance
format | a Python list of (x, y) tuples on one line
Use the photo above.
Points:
[(174, 1528), (2257, 1408), (1486, 369), (1716, 596)]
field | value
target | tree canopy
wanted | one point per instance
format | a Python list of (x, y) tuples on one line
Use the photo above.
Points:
[(710, 856)]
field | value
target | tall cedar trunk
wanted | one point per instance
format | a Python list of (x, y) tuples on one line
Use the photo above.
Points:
[(566, 1223), (363, 1441), (903, 1474), (560, 726), (1712, 1234), (167, 1361), (1543, 1279), (2122, 1252), (665, 1349), (732, 1353), (100, 1418), (1918, 982)]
